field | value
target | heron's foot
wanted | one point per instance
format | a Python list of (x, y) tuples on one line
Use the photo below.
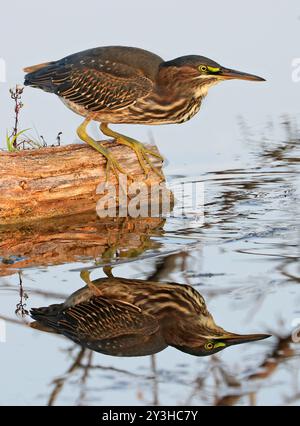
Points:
[(141, 151), (112, 163), (143, 154)]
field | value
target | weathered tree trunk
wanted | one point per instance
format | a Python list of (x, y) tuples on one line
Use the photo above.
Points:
[(59, 181)]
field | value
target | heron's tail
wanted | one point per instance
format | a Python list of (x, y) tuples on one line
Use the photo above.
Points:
[(45, 318), (40, 76), (37, 67)]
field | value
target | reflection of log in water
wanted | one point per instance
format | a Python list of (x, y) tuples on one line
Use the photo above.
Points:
[(59, 181), (126, 317), (68, 239)]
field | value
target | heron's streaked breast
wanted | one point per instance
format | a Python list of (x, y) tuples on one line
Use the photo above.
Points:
[(150, 110), (165, 300), (175, 111)]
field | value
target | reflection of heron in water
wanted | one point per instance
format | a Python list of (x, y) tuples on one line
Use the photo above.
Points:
[(128, 317)]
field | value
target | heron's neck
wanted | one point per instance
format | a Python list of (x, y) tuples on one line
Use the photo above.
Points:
[(174, 82)]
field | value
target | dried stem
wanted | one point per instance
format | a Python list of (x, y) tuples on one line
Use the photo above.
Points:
[(16, 95)]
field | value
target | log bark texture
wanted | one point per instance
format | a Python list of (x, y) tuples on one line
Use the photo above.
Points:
[(59, 181)]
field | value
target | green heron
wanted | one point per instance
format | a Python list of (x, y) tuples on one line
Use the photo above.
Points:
[(124, 317), (116, 84)]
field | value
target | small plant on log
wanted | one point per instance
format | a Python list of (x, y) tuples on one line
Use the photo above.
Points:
[(18, 139)]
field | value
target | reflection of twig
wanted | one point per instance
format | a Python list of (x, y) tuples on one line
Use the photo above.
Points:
[(281, 352), (155, 381), (86, 367), (84, 378), (234, 390), (116, 370), (199, 386), (21, 306), (283, 269), (59, 383), (259, 300)]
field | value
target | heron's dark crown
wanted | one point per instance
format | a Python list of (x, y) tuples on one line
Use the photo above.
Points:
[(190, 60)]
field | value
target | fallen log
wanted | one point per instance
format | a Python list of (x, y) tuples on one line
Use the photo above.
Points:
[(59, 181)]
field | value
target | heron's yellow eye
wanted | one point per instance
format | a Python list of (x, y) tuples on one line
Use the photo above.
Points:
[(203, 68), (209, 346)]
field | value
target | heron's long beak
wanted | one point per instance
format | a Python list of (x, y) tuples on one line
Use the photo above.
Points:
[(229, 74), (237, 339)]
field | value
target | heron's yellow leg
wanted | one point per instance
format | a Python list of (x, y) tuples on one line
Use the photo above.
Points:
[(85, 276), (142, 153), (108, 271), (111, 161)]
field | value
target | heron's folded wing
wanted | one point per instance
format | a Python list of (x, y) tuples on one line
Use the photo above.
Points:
[(96, 84), (100, 319)]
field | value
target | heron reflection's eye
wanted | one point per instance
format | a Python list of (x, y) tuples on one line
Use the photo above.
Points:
[(209, 346)]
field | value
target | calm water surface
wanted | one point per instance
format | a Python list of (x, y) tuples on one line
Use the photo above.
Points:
[(244, 261)]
